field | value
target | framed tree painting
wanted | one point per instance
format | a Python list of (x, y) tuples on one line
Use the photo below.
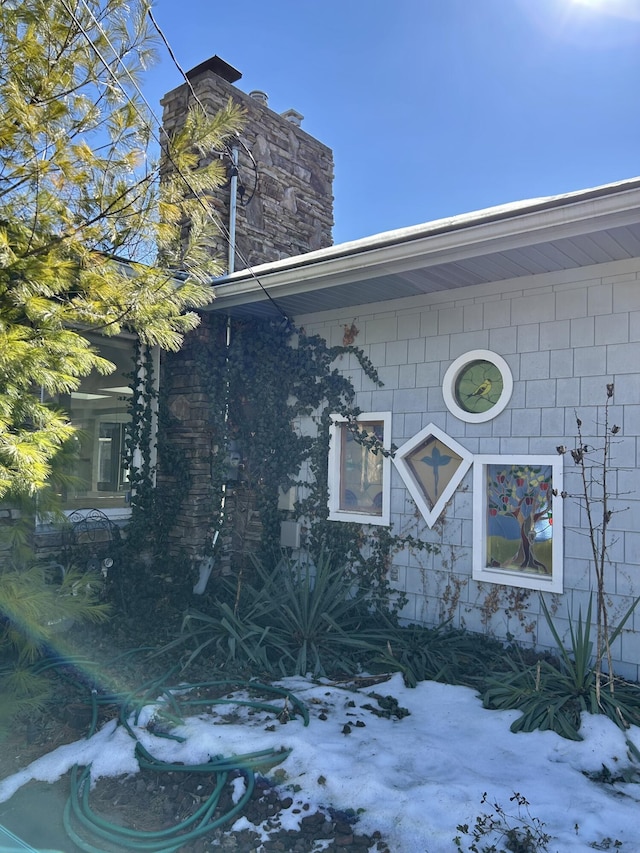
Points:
[(517, 521)]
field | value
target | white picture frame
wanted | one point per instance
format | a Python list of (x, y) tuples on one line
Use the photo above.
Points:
[(517, 521), (487, 404), (432, 466), (359, 479)]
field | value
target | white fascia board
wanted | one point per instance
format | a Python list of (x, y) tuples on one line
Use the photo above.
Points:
[(421, 246)]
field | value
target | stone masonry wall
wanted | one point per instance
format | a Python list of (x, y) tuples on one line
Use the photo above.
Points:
[(193, 439), (564, 335), (290, 212)]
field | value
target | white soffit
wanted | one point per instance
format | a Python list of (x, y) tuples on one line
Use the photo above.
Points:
[(526, 238)]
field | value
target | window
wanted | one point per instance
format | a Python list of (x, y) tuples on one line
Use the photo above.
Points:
[(517, 521), (359, 484), (99, 410), (477, 386), (432, 465)]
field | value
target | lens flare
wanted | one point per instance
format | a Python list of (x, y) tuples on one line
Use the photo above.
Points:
[(627, 9)]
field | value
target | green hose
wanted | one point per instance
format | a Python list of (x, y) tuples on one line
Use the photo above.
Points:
[(159, 841), (249, 761), (257, 686), (78, 812)]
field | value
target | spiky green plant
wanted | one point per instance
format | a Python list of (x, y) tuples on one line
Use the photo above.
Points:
[(552, 694), (435, 654), (295, 619)]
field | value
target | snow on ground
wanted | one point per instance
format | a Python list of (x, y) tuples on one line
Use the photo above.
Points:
[(413, 778)]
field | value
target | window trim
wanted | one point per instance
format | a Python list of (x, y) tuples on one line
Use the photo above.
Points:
[(123, 512), (451, 378), (401, 460), (508, 576), (336, 513)]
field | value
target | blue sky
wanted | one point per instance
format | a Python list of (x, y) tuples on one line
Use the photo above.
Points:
[(433, 107)]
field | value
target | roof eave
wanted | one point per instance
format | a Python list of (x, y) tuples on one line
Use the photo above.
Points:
[(456, 238)]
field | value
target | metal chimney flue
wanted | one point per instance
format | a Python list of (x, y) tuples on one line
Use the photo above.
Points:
[(259, 96), (293, 117)]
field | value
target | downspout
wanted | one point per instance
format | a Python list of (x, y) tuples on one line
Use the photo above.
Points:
[(206, 566)]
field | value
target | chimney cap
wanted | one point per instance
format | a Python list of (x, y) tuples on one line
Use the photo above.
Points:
[(293, 117), (219, 67), (260, 96)]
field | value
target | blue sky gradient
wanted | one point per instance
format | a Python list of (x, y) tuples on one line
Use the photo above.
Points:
[(433, 107)]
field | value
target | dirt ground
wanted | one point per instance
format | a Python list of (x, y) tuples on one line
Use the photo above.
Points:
[(152, 801)]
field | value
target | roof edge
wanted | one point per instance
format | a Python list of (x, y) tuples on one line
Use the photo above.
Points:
[(413, 233)]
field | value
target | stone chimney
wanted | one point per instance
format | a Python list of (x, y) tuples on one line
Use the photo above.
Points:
[(285, 176), (284, 208)]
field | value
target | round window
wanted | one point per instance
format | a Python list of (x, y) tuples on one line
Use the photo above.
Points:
[(477, 386)]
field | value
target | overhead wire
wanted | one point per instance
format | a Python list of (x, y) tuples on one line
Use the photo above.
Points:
[(132, 80), (238, 139), (233, 249), (197, 196), (198, 101), (209, 213)]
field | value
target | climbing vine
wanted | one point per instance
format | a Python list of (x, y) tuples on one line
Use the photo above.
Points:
[(140, 438), (270, 391), (148, 576), (276, 381)]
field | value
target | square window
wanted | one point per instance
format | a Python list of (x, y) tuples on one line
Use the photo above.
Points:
[(100, 409), (517, 521), (359, 484)]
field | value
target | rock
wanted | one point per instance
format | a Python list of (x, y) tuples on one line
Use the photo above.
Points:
[(312, 821)]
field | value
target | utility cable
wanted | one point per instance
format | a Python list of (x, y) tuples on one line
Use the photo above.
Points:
[(221, 227), (196, 98), (239, 139), (208, 212), (211, 214)]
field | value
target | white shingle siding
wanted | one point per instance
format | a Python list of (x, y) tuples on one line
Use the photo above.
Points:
[(564, 335)]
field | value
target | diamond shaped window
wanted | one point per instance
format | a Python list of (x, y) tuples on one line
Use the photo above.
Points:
[(432, 465)]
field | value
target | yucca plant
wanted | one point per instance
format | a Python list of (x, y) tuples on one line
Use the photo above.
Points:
[(297, 618), (421, 653), (553, 694)]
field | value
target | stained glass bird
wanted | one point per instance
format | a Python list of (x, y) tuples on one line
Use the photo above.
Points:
[(436, 461)]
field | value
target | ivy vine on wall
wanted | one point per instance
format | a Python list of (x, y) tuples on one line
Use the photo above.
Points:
[(148, 578), (266, 383)]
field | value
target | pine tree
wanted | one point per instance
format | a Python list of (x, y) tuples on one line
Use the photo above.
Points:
[(79, 192), (78, 188)]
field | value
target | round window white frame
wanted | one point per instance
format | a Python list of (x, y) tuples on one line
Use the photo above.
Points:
[(451, 378)]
